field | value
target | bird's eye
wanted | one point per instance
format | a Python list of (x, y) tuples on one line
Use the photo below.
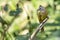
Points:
[(40, 8)]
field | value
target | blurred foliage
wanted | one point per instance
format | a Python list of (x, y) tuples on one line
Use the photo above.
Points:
[(18, 19)]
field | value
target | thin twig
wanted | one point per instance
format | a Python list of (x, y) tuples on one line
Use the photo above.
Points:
[(38, 29), (8, 26)]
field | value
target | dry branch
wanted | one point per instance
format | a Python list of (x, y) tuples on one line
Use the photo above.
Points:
[(38, 29)]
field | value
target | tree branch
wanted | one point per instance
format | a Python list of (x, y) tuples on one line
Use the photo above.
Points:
[(38, 29)]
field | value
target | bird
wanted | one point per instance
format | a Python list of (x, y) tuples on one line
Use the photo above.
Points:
[(42, 14)]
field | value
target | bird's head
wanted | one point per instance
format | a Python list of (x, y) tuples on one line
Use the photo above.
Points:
[(41, 9)]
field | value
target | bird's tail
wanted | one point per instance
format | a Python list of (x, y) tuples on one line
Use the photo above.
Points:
[(42, 30)]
